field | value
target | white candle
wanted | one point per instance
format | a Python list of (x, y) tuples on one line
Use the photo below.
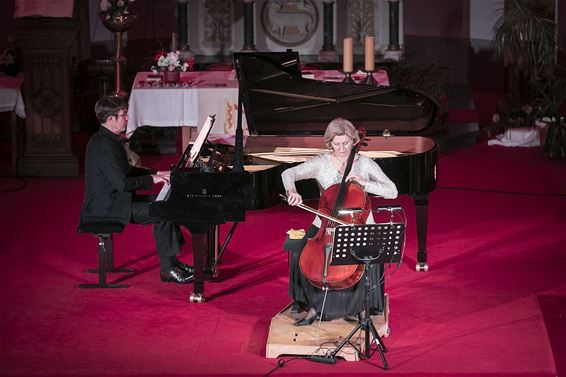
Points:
[(370, 53), (348, 55)]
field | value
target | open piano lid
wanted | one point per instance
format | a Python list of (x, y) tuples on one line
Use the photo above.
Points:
[(278, 101)]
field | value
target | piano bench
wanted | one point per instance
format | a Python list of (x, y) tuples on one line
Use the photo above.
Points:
[(104, 231)]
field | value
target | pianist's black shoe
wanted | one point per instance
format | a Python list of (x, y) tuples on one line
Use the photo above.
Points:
[(176, 275), (184, 267)]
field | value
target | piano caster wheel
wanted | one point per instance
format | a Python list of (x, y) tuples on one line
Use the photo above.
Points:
[(196, 298), (421, 267)]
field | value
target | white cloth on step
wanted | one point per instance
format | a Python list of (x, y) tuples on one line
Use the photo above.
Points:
[(517, 137)]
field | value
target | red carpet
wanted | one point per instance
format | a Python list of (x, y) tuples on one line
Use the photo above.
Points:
[(492, 304)]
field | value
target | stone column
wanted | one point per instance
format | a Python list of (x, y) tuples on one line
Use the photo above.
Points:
[(182, 23), (328, 53), (249, 25), (47, 45), (393, 51)]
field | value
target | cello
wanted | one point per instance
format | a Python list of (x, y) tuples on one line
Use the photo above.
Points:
[(316, 257)]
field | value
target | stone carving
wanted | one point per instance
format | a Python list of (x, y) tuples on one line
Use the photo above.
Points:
[(47, 102), (218, 21), (289, 22), (360, 19)]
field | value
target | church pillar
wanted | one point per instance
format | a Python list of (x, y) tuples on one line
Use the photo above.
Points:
[(182, 23), (393, 51), (328, 53), (249, 25)]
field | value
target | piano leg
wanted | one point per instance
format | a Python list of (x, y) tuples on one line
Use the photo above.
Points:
[(205, 249), (421, 207)]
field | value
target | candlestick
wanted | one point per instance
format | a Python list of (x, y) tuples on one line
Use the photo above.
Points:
[(369, 53), (348, 78), (173, 41), (370, 80), (348, 55)]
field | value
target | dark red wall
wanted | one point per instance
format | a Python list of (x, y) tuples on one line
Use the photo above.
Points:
[(6, 22), (437, 18)]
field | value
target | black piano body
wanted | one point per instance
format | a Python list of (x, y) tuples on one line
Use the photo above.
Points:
[(286, 112), (201, 199), (201, 202)]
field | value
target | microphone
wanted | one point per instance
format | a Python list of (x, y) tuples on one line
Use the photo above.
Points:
[(389, 208)]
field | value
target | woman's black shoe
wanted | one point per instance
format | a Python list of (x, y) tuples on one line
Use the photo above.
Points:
[(296, 308), (306, 321)]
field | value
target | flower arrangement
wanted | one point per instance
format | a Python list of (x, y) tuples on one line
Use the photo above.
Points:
[(114, 8), (172, 61)]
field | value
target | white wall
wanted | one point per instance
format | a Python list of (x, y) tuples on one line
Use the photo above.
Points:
[(483, 14)]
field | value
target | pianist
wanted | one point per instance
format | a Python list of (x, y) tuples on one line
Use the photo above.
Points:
[(111, 183), (328, 170)]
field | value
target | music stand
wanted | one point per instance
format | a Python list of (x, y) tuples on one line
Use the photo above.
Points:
[(371, 244)]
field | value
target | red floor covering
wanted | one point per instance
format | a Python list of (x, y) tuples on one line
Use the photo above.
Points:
[(492, 304)]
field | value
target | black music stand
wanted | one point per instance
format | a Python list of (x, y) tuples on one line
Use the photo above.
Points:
[(371, 244)]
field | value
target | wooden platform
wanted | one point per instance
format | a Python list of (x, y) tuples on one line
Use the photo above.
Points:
[(286, 339)]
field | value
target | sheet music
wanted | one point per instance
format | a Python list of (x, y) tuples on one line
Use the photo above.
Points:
[(201, 138), (193, 154)]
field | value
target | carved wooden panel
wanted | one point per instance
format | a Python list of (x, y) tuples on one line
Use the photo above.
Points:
[(218, 24), (360, 19), (47, 94)]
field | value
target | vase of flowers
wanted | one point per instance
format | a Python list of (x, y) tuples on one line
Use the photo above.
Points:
[(171, 64), (114, 9), (115, 15)]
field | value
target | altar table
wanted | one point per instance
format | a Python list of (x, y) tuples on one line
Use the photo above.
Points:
[(11, 100), (198, 95)]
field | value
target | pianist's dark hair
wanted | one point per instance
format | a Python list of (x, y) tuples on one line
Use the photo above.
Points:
[(340, 126), (109, 105)]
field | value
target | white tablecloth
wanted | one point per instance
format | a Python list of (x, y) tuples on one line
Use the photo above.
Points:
[(209, 93), (11, 95), (199, 95)]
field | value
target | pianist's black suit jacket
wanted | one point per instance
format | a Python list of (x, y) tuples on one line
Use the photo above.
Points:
[(110, 179)]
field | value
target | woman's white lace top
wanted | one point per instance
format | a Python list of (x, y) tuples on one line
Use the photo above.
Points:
[(322, 169)]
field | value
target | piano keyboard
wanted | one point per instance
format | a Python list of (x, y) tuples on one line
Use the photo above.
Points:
[(164, 193)]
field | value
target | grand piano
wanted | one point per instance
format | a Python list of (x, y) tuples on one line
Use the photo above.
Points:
[(287, 115)]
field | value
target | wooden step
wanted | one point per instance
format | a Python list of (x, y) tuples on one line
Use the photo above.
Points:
[(286, 339)]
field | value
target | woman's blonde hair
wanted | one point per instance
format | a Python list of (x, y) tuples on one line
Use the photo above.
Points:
[(338, 127)]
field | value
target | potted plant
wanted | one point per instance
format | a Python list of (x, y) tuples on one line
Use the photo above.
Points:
[(526, 36), (551, 103)]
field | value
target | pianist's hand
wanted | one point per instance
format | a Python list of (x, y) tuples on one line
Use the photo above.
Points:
[(161, 177), (294, 198)]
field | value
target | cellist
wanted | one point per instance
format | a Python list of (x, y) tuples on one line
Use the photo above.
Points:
[(328, 170)]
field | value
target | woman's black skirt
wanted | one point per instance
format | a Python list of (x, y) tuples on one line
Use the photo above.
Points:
[(338, 303)]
